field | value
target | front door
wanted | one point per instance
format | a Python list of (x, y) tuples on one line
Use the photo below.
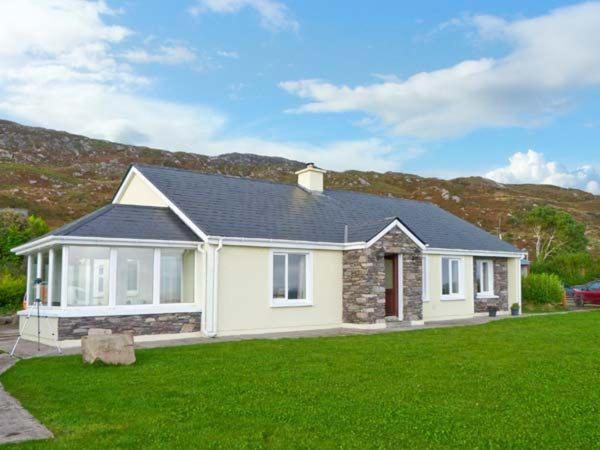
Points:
[(391, 285)]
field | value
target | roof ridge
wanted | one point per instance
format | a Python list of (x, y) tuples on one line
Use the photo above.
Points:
[(279, 183)]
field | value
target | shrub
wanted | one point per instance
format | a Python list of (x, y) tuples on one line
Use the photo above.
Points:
[(12, 291), (571, 268), (542, 288)]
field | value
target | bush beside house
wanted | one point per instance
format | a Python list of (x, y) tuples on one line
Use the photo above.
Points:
[(12, 291), (15, 229), (543, 291)]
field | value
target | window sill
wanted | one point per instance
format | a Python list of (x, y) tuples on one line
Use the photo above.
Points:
[(458, 298), (485, 296), (124, 310), (290, 303)]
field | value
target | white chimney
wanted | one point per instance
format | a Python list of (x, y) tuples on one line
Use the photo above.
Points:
[(311, 178)]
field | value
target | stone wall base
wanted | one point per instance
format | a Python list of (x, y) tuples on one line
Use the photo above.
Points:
[(481, 304), (138, 325)]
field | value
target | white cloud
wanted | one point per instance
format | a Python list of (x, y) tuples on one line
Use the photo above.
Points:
[(274, 15), (171, 54), (59, 68), (552, 56), (532, 167), (62, 67)]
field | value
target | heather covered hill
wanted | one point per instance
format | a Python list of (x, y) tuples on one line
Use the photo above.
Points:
[(62, 176)]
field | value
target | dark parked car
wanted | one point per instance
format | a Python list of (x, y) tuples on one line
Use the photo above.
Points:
[(587, 293)]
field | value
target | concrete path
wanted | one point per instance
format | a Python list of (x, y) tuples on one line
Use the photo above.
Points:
[(16, 424)]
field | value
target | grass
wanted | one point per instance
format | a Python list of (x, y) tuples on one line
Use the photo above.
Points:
[(523, 383)]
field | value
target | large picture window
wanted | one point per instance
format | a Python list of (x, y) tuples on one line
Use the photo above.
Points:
[(452, 279), (88, 276), (135, 268), (176, 276), (290, 279), (116, 276), (484, 278)]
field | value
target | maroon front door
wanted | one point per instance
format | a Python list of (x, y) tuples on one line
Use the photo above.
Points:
[(391, 285)]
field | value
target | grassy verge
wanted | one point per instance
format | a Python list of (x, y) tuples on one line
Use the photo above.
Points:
[(522, 383)]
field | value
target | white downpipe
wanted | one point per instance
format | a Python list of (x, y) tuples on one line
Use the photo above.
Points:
[(202, 248), (215, 293)]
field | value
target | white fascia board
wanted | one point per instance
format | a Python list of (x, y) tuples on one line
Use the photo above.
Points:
[(31, 246), (185, 219), (397, 224), (277, 243), (51, 241), (484, 253)]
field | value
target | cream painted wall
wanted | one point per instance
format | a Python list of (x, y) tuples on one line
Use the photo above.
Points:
[(48, 329), (434, 308), (313, 181), (514, 281), (137, 192), (244, 297)]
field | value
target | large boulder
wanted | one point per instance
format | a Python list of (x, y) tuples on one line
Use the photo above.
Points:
[(109, 348)]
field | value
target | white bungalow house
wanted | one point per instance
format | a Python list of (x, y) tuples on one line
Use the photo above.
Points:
[(185, 253)]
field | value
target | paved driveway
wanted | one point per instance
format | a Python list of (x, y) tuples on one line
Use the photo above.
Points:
[(16, 424)]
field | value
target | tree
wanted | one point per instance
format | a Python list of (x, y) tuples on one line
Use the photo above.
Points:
[(16, 229), (555, 232)]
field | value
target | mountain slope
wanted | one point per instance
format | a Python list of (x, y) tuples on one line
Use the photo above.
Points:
[(62, 176)]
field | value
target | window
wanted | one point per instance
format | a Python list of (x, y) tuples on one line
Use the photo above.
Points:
[(45, 277), (135, 274), (57, 280), (88, 276), (32, 276), (290, 279), (176, 276), (451, 278), (99, 277), (133, 277), (484, 278)]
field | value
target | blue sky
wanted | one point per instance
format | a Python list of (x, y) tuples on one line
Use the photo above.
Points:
[(503, 89)]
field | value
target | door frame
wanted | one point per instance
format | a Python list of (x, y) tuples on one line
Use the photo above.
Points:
[(398, 281), (400, 285)]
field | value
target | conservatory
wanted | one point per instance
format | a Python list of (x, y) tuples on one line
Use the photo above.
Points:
[(85, 277)]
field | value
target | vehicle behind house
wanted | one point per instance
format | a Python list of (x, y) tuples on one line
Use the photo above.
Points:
[(587, 293)]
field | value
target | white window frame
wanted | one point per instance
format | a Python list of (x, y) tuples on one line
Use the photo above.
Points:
[(425, 278), (95, 278), (461, 279), (479, 268), (111, 275), (284, 302), (133, 292)]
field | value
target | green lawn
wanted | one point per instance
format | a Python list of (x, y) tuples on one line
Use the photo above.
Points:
[(522, 383)]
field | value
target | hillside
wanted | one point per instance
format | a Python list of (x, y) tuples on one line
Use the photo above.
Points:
[(61, 176)]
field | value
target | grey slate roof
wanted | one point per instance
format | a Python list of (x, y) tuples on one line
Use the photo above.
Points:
[(240, 207), (127, 221)]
